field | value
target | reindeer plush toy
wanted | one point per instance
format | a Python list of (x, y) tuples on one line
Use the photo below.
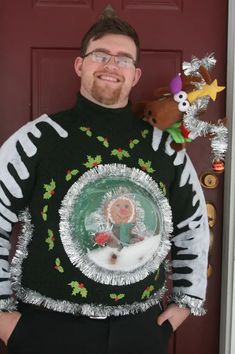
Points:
[(177, 109)]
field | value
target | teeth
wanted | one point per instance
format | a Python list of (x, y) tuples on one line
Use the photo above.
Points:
[(109, 78)]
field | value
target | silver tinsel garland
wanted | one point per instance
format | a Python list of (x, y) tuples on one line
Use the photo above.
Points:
[(217, 133), (8, 305), (185, 301), (191, 68), (76, 253)]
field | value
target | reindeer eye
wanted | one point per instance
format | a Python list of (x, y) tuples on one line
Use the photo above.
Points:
[(180, 96), (149, 113), (183, 106)]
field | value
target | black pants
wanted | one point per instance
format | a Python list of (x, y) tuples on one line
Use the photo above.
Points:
[(47, 332)]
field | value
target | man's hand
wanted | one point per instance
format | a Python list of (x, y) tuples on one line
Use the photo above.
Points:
[(8, 321), (174, 314)]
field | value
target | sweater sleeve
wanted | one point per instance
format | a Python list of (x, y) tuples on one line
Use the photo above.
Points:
[(19, 156), (190, 241)]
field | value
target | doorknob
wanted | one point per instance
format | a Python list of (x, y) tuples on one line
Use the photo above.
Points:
[(209, 180)]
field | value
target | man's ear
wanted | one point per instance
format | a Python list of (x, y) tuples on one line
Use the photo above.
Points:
[(137, 76), (78, 66)]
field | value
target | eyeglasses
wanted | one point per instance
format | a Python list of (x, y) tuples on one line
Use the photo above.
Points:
[(120, 60)]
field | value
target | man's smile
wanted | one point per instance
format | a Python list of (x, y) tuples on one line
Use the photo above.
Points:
[(108, 77)]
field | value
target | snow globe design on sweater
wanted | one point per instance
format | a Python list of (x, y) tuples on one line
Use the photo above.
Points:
[(115, 224)]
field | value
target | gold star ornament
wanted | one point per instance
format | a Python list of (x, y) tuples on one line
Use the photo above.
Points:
[(207, 90)]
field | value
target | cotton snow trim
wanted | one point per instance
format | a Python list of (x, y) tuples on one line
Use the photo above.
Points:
[(76, 254), (8, 305), (185, 301), (35, 298)]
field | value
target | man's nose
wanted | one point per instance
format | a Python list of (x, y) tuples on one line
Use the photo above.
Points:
[(111, 62)]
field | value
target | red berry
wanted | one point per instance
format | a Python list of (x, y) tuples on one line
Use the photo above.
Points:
[(95, 164), (81, 285), (52, 192), (119, 149)]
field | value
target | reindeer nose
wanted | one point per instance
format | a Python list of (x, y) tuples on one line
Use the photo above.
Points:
[(154, 120)]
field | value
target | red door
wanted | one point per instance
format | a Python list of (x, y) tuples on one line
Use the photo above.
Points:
[(39, 40)]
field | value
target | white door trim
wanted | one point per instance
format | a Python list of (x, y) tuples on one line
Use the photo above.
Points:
[(227, 322)]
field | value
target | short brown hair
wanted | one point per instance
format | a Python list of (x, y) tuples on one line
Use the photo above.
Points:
[(110, 25)]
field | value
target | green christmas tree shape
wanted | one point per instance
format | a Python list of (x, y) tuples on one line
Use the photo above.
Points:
[(104, 141), (133, 142), (120, 153), (93, 161), (146, 166), (116, 297), (50, 189), (78, 288), (50, 240), (147, 292), (44, 213), (70, 174), (144, 133), (86, 130), (58, 266)]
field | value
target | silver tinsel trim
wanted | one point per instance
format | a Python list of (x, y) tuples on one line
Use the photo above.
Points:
[(185, 301), (21, 249), (191, 68), (8, 305), (218, 133), (77, 255), (34, 298)]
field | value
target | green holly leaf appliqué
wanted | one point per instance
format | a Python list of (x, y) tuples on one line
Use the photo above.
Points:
[(146, 166), (50, 189), (133, 142), (58, 266), (163, 187), (93, 161), (116, 297), (50, 240), (120, 153), (78, 288), (70, 174), (144, 133), (86, 130), (44, 213), (147, 292), (103, 140)]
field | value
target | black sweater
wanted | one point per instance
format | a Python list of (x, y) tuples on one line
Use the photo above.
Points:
[(57, 174)]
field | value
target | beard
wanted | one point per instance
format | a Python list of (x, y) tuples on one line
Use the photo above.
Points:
[(106, 95)]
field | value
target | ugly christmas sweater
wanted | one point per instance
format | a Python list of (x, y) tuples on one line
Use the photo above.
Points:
[(102, 198)]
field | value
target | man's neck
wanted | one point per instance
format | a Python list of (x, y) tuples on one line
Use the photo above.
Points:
[(92, 99)]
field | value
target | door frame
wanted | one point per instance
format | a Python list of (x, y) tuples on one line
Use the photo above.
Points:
[(227, 322)]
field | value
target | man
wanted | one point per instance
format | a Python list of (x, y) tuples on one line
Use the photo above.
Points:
[(77, 290)]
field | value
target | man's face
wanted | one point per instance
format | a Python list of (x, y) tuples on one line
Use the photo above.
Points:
[(107, 83)]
